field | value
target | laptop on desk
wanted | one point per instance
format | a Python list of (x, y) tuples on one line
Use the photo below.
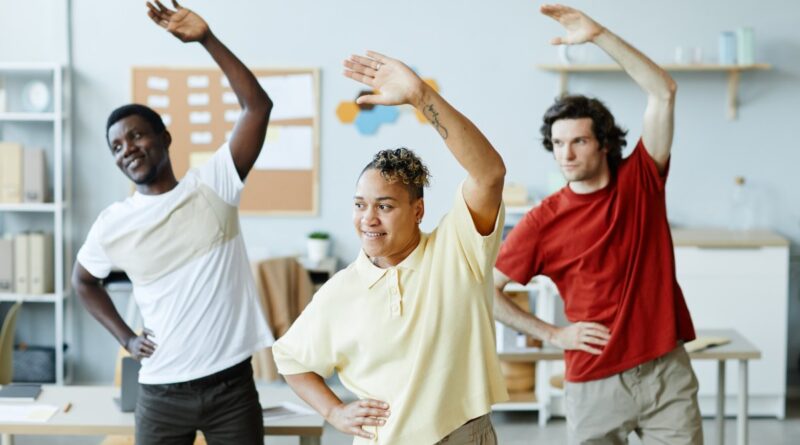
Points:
[(129, 388)]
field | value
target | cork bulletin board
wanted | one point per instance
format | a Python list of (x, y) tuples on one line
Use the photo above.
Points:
[(200, 110)]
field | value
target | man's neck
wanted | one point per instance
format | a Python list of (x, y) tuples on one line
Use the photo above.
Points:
[(158, 187), (591, 185)]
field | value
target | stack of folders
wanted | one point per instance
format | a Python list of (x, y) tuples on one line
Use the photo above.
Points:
[(26, 263), (23, 174)]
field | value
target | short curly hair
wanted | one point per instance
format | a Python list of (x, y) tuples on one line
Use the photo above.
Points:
[(401, 164), (606, 131), (144, 111)]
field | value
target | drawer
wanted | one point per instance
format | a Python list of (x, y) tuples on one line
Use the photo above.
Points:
[(759, 262)]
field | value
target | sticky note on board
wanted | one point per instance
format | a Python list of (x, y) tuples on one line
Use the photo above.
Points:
[(200, 117), (273, 134), (201, 137), (157, 83), (167, 119), (157, 101), (198, 158), (198, 99), (229, 98), (197, 82)]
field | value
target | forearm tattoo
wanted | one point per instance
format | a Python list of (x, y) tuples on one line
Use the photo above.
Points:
[(432, 115)]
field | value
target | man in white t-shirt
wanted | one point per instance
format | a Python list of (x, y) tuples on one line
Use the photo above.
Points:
[(181, 246)]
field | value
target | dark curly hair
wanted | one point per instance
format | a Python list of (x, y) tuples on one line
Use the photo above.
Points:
[(401, 164), (144, 111), (606, 131)]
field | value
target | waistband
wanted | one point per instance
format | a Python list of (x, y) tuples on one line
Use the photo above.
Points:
[(240, 369)]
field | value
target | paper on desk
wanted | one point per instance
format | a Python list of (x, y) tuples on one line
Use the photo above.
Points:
[(700, 343), (26, 412), (284, 410)]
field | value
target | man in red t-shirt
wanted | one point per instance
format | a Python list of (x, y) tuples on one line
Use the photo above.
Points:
[(605, 242)]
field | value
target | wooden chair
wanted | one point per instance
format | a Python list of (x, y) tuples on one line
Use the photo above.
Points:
[(7, 344)]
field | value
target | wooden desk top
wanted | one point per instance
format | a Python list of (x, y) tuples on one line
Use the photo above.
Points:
[(738, 349), (94, 412)]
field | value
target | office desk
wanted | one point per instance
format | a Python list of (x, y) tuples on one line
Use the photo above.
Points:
[(738, 349), (94, 412)]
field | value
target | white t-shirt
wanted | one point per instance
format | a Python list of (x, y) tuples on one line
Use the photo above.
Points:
[(186, 258)]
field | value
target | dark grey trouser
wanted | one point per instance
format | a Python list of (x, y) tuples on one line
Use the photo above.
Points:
[(478, 431), (224, 406)]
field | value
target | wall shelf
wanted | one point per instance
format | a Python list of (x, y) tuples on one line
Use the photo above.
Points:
[(733, 72)]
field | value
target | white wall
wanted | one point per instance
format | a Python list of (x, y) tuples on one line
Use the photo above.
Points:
[(483, 55)]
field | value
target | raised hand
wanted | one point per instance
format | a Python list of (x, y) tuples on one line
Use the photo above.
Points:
[(182, 23), (350, 418), (580, 28), (395, 82), (582, 336), (141, 346)]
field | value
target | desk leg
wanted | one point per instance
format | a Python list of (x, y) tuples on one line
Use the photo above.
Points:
[(309, 440), (7, 439), (721, 402), (743, 395)]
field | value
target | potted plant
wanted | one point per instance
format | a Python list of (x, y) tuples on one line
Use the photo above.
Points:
[(318, 244)]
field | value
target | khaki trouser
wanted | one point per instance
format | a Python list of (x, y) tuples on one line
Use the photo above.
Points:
[(657, 400), (478, 431)]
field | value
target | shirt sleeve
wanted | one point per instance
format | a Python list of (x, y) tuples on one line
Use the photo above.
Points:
[(307, 346), (91, 255), (220, 174), (641, 168), (480, 251), (520, 254)]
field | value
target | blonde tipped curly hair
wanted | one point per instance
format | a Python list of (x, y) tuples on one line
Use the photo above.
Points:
[(402, 164)]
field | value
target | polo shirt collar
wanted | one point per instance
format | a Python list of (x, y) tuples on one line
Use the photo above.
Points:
[(370, 273)]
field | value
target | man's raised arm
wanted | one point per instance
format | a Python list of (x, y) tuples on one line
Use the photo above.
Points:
[(251, 127), (657, 129)]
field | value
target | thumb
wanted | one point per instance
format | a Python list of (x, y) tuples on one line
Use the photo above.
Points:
[(370, 99), (557, 41)]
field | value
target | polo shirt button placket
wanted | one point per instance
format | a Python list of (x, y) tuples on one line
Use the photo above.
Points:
[(394, 294)]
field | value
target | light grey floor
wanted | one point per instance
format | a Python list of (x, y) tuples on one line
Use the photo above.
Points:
[(521, 428)]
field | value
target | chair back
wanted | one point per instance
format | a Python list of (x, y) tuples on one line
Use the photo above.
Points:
[(7, 344)]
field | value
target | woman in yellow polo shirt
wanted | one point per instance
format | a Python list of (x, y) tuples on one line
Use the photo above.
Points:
[(408, 326)]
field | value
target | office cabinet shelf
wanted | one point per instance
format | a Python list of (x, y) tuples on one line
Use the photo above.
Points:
[(36, 122)]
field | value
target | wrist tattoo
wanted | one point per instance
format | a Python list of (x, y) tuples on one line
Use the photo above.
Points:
[(432, 115)]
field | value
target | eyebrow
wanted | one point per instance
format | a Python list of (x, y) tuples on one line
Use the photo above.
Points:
[(380, 198)]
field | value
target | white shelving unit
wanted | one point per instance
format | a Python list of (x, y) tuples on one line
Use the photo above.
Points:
[(49, 129), (541, 399)]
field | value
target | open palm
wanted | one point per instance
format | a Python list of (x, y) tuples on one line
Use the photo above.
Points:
[(183, 23), (580, 28), (394, 82)]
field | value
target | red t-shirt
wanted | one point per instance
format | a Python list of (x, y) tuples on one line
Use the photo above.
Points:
[(610, 253)]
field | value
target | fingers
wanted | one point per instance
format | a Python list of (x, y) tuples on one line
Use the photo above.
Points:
[(360, 68), (557, 41), (378, 56), (372, 403), (367, 80), (358, 431), (156, 16), (176, 5), (148, 332), (586, 348), (161, 8), (366, 61)]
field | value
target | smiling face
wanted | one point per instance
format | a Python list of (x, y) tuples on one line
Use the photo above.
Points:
[(386, 218), (138, 150), (579, 155)]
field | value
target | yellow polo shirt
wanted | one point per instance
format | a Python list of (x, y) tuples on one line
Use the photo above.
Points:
[(419, 336)]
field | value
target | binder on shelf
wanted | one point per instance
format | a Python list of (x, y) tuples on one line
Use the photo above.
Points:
[(34, 175), (21, 263), (2, 96), (40, 261), (10, 172), (6, 265)]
